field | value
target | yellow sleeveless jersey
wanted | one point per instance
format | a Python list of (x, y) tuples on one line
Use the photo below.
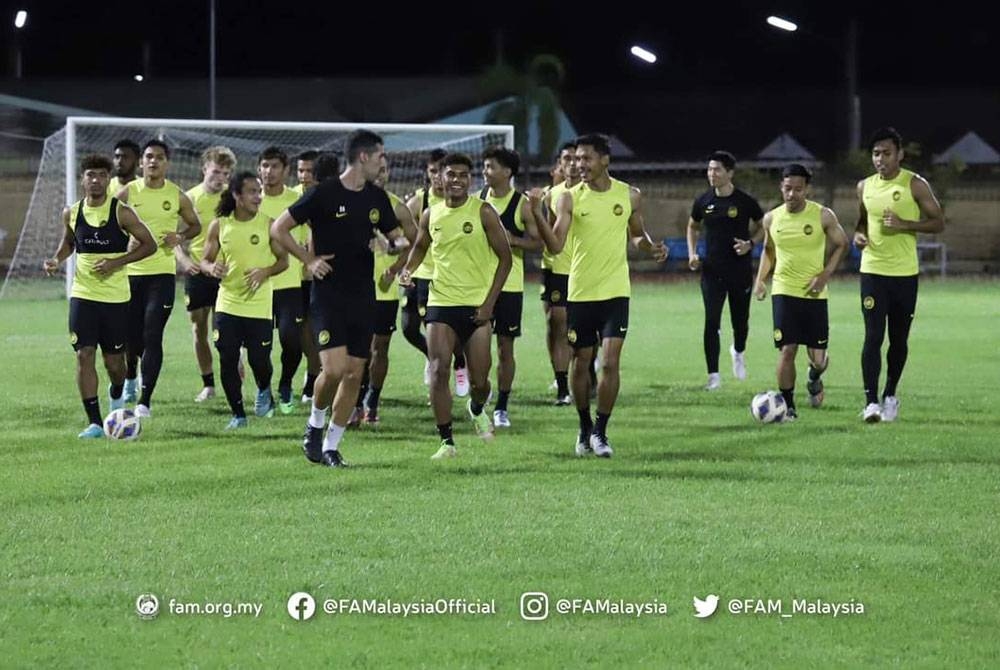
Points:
[(158, 208), (204, 204), (244, 245), (558, 263), (464, 263), (272, 206), (599, 239), (98, 236), (799, 249), (515, 280), (890, 252), (383, 261), (426, 267), (116, 185)]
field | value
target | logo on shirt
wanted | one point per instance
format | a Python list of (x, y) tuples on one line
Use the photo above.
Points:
[(709, 208), (374, 215), (732, 212), (618, 210), (556, 296), (467, 227), (777, 335), (166, 205), (571, 336), (255, 239), (896, 195), (341, 212), (323, 338), (868, 302), (808, 229)]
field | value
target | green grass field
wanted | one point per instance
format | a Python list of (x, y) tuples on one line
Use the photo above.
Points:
[(697, 500)]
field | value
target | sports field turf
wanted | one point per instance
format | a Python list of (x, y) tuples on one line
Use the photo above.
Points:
[(698, 500)]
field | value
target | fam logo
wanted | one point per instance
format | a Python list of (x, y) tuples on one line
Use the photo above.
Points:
[(255, 239), (556, 296), (187, 300), (571, 336), (808, 229), (896, 195), (323, 338), (73, 338), (618, 210), (166, 205), (868, 302), (467, 227), (374, 215), (732, 212), (777, 335)]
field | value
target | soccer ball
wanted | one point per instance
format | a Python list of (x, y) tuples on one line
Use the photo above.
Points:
[(122, 424), (768, 407)]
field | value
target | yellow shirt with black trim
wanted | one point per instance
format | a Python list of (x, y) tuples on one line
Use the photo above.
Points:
[(598, 243), (464, 262), (244, 245), (892, 253), (515, 280), (799, 249), (204, 204), (426, 268), (557, 263), (272, 206), (103, 233), (158, 208), (384, 261)]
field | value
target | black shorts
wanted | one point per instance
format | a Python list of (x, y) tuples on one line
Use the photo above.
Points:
[(589, 321), (507, 314), (460, 319), (415, 296), (800, 321), (93, 323), (343, 321), (882, 295), (287, 305), (554, 288), (233, 332), (385, 316), (200, 291), (151, 290), (307, 287)]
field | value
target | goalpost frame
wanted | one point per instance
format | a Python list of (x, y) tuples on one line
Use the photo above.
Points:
[(73, 121)]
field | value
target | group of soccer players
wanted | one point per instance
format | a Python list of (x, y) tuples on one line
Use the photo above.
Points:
[(321, 264)]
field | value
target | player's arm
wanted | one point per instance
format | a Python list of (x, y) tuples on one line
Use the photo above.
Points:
[(143, 247), (931, 215), (209, 265), (417, 252), (836, 236), (766, 260), (67, 244), (539, 199), (693, 231), (861, 229), (497, 238), (531, 240), (415, 204), (192, 226), (281, 232), (637, 231), (184, 261), (555, 234), (255, 277)]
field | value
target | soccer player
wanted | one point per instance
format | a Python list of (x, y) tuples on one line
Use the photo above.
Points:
[(472, 259), (796, 236), (305, 171), (126, 160), (599, 216), (200, 290), (500, 167), (727, 214), (341, 213), (272, 166), (305, 168), (240, 253), (98, 229), (895, 204), (158, 202)]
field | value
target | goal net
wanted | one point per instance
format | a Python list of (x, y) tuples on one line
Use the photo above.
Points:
[(57, 184)]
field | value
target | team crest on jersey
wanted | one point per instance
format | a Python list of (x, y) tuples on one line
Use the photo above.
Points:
[(732, 212), (323, 338), (166, 205), (710, 208), (808, 229), (73, 338), (777, 335), (374, 215), (571, 336), (422, 311), (255, 239), (556, 296), (187, 300), (215, 335), (618, 210), (896, 195), (467, 227), (868, 302)]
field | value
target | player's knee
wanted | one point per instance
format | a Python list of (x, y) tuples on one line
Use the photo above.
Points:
[(86, 356)]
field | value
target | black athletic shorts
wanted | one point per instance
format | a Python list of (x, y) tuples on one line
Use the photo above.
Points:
[(460, 319), (554, 288), (385, 316), (587, 321), (343, 321), (507, 314), (233, 332), (882, 295), (93, 323), (800, 321), (287, 304), (200, 291), (415, 296), (307, 286), (157, 290)]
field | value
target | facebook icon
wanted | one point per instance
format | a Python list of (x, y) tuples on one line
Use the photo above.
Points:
[(301, 606)]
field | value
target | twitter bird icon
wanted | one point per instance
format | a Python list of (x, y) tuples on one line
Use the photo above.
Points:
[(705, 608)]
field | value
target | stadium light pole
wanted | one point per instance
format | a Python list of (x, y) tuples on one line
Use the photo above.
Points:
[(20, 20), (849, 59), (211, 59)]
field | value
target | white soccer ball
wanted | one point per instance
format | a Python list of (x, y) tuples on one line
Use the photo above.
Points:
[(768, 407), (122, 424)]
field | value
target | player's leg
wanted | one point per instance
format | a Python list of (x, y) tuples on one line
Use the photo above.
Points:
[(874, 304), (325, 321), (507, 326), (560, 353), (581, 333), (112, 338), (228, 344), (787, 335), (786, 375), (713, 296), (288, 313), (257, 339), (378, 368), (411, 320), (816, 340), (83, 331), (739, 292), (200, 318), (613, 328), (159, 306), (902, 306), (308, 346), (134, 345), (441, 342), (477, 350)]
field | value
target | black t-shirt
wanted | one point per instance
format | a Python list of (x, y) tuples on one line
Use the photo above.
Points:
[(722, 219), (342, 221)]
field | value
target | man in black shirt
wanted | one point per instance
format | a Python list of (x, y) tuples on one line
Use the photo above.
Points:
[(727, 215), (342, 213)]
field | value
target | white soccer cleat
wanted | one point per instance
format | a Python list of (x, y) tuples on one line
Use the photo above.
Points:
[(206, 393), (872, 413), (500, 419), (462, 382), (143, 412), (445, 451), (583, 446), (600, 446), (739, 364), (714, 382), (890, 408)]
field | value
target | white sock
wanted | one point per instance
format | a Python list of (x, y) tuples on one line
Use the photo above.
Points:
[(317, 417), (333, 435)]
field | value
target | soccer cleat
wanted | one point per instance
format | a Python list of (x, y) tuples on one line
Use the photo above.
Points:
[(816, 393), (306, 399), (481, 423), (427, 373), (371, 417), (563, 400), (355, 419), (312, 444), (583, 445), (500, 419), (286, 407), (332, 459), (92, 431), (116, 403), (714, 381), (131, 392), (143, 412), (447, 450), (264, 404), (462, 382), (237, 422), (554, 386), (599, 443), (790, 416), (872, 413), (890, 408), (206, 393), (739, 364)]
